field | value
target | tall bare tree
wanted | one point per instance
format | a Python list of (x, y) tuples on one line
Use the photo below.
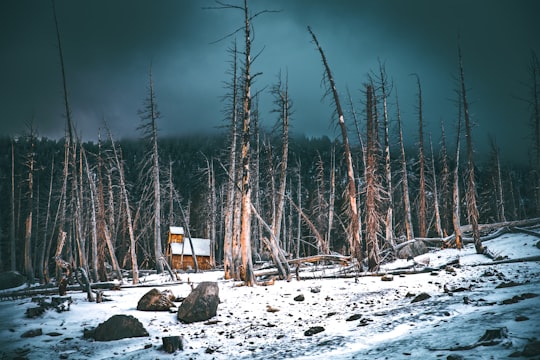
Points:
[(30, 163), (389, 229), (446, 198), (422, 205), (472, 208), (438, 226), (12, 241), (129, 219), (149, 116), (228, 239), (354, 231), (405, 180), (373, 197), (456, 199), (534, 104)]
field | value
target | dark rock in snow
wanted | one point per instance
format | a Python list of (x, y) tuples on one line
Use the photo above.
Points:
[(11, 279), (387, 277), (299, 298), (455, 357), (172, 343), (421, 297), (531, 349), (117, 327), (155, 300), (201, 304), (32, 333), (353, 317), (521, 318), (313, 330), (413, 249), (538, 244)]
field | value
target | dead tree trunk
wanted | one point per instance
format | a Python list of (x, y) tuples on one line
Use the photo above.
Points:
[(456, 201), (28, 266), (12, 242), (284, 106), (389, 229), (446, 198), (123, 189), (228, 263), (405, 182), (372, 187), (472, 208), (354, 232), (246, 271), (438, 226), (422, 212)]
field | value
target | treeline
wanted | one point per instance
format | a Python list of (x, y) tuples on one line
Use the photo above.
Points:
[(194, 166)]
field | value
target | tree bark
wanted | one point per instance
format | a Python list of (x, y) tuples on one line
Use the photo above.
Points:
[(354, 234), (422, 212), (472, 208), (405, 182)]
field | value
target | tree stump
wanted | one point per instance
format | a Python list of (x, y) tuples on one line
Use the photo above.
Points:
[(172, 343)]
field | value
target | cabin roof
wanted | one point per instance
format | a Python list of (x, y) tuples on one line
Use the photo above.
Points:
[(176, 230), (201, 247)]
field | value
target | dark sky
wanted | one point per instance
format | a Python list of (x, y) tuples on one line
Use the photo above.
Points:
[(109, 46)]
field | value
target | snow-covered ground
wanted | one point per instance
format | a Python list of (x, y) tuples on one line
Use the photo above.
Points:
[(465, 302)]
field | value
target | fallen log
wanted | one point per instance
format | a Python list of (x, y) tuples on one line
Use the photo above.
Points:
[(526, 231), (490, 227)]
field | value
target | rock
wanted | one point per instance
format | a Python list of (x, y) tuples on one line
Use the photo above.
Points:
[(455, 357), (172, 343), (353, 317), (34, 312), (521, 318), (538, 244), (32, 333), (271, 309), (117, 327), (155, 300), (531, 349), (201, 304), (387, 277), (313, 330), (299, 298), (421, 297), (412, 250), (11, 279), (315, 290)]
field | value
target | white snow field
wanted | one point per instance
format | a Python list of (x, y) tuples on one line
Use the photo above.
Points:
[(363, 318)]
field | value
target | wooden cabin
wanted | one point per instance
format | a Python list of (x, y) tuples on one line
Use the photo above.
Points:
[(179, 250)]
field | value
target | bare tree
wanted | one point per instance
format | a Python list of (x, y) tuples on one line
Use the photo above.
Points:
[(456, 200), (405, 182), (149, 117), (438, 226), (354, 232), (12, 241), (373, 197), (389, 229), (497, 180), (125, 197), (30, 163), (228, 263), (446, 197), (534, 104), (472, 208), (422, 211)]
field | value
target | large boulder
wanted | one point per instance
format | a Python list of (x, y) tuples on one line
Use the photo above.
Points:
[(155, 300), (11, 279), (201, 304), (117, 327), (412, 250)]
